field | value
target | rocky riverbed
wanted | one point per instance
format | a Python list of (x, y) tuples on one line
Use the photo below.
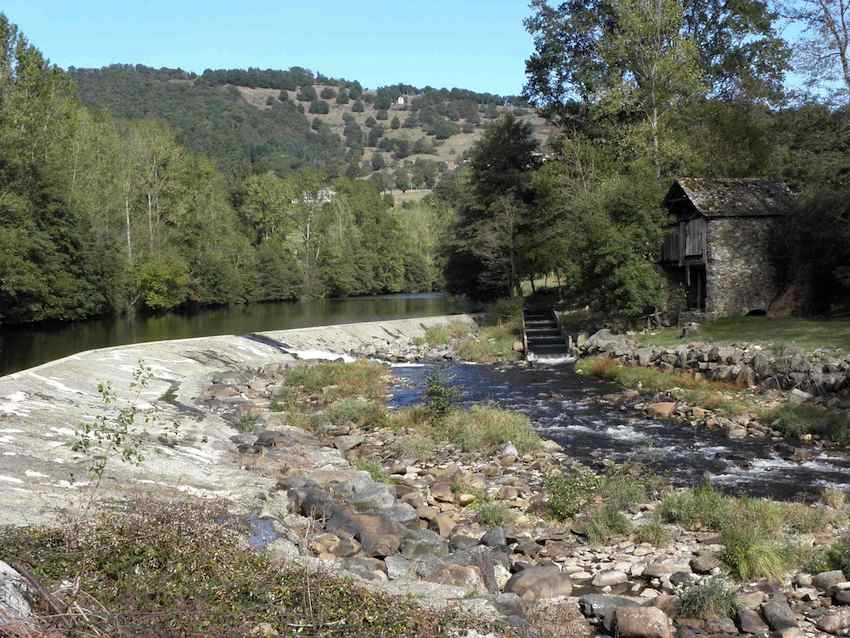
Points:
[(453, 527)]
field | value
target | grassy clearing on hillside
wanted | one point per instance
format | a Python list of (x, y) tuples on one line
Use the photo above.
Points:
[(805, 334), (161, 569), (724, 398)]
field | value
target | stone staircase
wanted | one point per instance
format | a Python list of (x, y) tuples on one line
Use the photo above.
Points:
[(543, 337)]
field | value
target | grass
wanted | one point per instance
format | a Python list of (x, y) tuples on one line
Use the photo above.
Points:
[(248, 423), (605, 523), (490, 344), (797, 421), (724, 398), (487, 429), (653, 533), (443, 334), (375, 469), (165, 569), (340, 380), (805, 334), (355, 410), (492, 514), (714, 597)]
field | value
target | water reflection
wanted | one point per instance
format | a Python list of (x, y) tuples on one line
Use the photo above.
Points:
[(24, 347)]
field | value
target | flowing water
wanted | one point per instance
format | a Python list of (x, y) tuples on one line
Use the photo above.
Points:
[(559, 403), (26, 346)]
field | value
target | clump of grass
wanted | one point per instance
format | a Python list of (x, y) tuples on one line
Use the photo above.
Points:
[(443, 334), (490, 344), (375, 469), (703, 507), (838, 555), (340, 380), (492, 514), (805, 519), (834, 498), (605, 523), (161, 569), (248, 422), (570, 493), (359, 411), (415, 446), (797, 421), (653, 533), (807, 558), (487, 429), (712, 598), (751, 546)]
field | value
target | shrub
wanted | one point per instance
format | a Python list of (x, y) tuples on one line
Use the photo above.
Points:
[(339, 380), (570, 493), (805, 519), (751, 548), (712, 598), (180, 569), (653, 533), (328, 93), (605, 523), (797, 421), (439, 394), (375, 469), (490, 345), (834, 498), (487, 429), (839, 555), (357, 410), (248, 422), (319, 107), (493, 514), (357, 107), (703, 507), (416, 446), (505, 310)]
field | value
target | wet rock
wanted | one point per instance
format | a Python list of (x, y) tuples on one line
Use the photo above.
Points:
[(749, 622), (826, 580), (778, 613), (641, 622), (835, 622), (539, 583)]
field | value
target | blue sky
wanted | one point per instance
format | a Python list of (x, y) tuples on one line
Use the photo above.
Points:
[(474, 44)]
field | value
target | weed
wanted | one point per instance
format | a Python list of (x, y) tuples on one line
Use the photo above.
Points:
[(340, 380), (700, 508), (490, 344), (358, 411), (416, 446), (492, 514), (805, 519), (487, 429), (248, 422), (375, 469), (834, 498), (712, 598), (751, 549), (440, 396), (505, 310), (797, 421), (605, 523), (570, 493), (653, 533), (839, 555)]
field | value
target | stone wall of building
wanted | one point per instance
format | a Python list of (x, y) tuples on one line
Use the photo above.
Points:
[(740, 275)]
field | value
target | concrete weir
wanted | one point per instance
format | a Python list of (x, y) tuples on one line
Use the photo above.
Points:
[(41, 408)]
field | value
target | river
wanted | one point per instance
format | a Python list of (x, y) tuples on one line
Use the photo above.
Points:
[(23, 347), (560, 404)]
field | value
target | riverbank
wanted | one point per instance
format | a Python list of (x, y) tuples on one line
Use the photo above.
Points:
[(464, 507)]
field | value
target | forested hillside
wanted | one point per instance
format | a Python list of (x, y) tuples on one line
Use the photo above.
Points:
[(250, 120), (100, 214)]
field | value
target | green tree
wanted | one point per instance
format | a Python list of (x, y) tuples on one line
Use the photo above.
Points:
[(396, 123), (358, 107)]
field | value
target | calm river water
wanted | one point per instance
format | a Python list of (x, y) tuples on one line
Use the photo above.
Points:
[(27, 346)]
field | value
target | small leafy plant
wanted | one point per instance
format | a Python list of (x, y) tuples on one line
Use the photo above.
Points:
[(439, 395)]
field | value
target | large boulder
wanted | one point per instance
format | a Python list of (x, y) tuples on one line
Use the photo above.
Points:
[(539, 583), (835, 622), (778, 613), (13, 595), (641, 622), (379, 536)]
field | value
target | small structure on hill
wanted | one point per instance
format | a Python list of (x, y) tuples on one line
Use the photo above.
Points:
[(717, 247)]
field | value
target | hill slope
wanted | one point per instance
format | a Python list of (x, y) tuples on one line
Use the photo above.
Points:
[(249, 120)]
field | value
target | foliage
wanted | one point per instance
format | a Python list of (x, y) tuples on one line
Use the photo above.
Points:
[(487, 429), (362, 379), (570, 493), (653, 533), (165, 569), (711, 598), (355, 410), (375, 470), (490, 344), (492, 514), (703, 507), (838, 555), (605, 523), (796, 421), (439, 395)]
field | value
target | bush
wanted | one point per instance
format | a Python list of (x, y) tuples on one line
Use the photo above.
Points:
[(319, 107), (605, 523), (357, 107), (712, 598), (505, 310), (653, 533), (701, 508), (359, 411), (487, 429), (570, 493), (839, 555), (750, 552), (493, 514), (340, 380), (181, 569), (328, 93), (375, 469), (796, 421), (439, 395), (490, 345)]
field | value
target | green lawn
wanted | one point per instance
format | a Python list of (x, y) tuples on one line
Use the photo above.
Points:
[(802, 333)]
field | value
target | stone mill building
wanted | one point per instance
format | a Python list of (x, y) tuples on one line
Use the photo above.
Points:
[(717, 246)]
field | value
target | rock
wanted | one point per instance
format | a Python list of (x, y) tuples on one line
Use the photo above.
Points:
[(778, 613), (423, 542), (366, 568), (379, 536), (346, 443), (704, 563), (398, 567), (445, 524), (749, 622), (841, 597), (539, 583), (609, 578), (494, 537), (752, 599), (663, 568), (13, 594), (720, 626), (442, 492), (663, 410), (835, 622), (264, 630), (509, 450), (372, 498), (278, 549), (799, 396), (466, 576), (826, 580), (641, 622), (603, 607)]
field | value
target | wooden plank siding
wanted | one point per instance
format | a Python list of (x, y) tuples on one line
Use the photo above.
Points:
[(685, 241)]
